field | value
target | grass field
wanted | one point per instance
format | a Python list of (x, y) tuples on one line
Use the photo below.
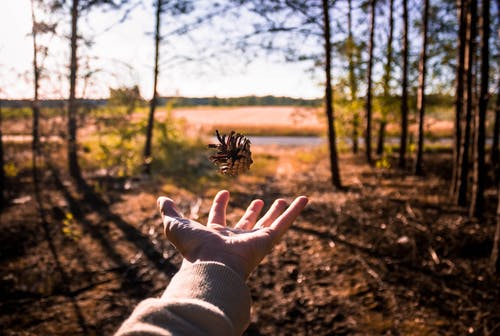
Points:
[(252, 120)]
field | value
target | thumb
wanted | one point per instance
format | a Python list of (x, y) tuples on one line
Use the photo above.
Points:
[(167, 207), (172, 219)]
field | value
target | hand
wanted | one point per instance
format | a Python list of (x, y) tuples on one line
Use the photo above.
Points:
[(241, 248)]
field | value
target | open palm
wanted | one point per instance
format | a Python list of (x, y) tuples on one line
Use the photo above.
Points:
[(241, 248)]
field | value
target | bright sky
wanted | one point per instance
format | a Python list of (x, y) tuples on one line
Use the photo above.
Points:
[(124, 56)]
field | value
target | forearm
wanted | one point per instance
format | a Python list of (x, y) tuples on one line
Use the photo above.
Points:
[(205, 298)]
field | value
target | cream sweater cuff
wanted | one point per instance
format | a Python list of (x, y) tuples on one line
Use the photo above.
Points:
[(217, 284)]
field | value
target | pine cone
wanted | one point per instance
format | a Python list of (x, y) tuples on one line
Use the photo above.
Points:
[(233, 155)]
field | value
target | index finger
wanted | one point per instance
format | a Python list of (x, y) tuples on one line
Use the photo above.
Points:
[(283, 222)]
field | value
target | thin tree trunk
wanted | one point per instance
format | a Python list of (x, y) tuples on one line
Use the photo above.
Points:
[(2, 164), (35, 103), (459, 85), (74, 168), (421, 91), (494, 259), (353, 85), (386, 82), (495, 148), (334, 165), (404, 91), (368, 131), (461, 196), (153, 102), (478, 186), (381, 137)]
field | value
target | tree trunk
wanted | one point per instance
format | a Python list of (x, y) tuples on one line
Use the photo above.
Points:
[(381, 137), (386, 82), (478, 186), (463, 173), (334, 165), (368, 131), (421, 91), (495, 148), (74, 168), (404, 91), (353, 85), (2, 164), (153, 102), (459, 78), (35, 104), (494, 260)]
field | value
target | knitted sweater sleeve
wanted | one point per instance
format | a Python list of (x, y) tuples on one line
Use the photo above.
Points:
[(205, 298)]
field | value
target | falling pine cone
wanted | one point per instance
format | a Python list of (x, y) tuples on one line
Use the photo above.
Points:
[(233, 155)]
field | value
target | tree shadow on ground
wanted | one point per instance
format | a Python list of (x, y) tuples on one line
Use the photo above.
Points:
[(71, 295), (93, 202)]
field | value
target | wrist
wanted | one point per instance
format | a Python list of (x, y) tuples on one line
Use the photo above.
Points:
[(233, 263), (215, 284)]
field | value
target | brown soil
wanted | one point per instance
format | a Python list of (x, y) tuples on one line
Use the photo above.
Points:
[(388, 256)]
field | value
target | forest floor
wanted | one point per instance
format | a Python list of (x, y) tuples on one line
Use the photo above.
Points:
[(388, 256)]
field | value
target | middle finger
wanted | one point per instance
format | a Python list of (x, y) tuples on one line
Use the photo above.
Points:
[(250, 217)]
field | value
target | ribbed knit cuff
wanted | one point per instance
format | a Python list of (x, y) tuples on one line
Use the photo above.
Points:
[(217, 284)]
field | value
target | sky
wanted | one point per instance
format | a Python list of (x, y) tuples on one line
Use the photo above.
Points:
[(122, 54)]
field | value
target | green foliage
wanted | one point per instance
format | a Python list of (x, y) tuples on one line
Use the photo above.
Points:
[(25, 112), (70, 228), (384, 161), (16, 113), (180, 158), (116, 146), (387, 108), (10, 169), (264, 165), (348, 115), (126, 97)]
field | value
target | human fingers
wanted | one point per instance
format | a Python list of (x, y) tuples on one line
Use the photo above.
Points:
[(274, 212), (167, 207), (285, 220), (171, 217), (217, 214), (248, 220)]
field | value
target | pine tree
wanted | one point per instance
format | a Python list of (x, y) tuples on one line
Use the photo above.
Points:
[(478, 186), (463, 166), (404, 90), (421, 90), (459, 88), (386, 82), (329, 97), (368, 107), (153, 102)]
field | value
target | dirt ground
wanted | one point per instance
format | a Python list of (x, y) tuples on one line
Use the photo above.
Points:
[(388, 256)]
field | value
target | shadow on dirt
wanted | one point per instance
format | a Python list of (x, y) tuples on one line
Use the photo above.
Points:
[(92, 201)]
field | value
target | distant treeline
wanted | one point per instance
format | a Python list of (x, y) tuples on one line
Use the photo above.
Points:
[(242, 101), (180, 102), (432, 100), (49, 103)]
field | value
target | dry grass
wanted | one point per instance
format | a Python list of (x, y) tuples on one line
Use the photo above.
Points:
[(252, 120)]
